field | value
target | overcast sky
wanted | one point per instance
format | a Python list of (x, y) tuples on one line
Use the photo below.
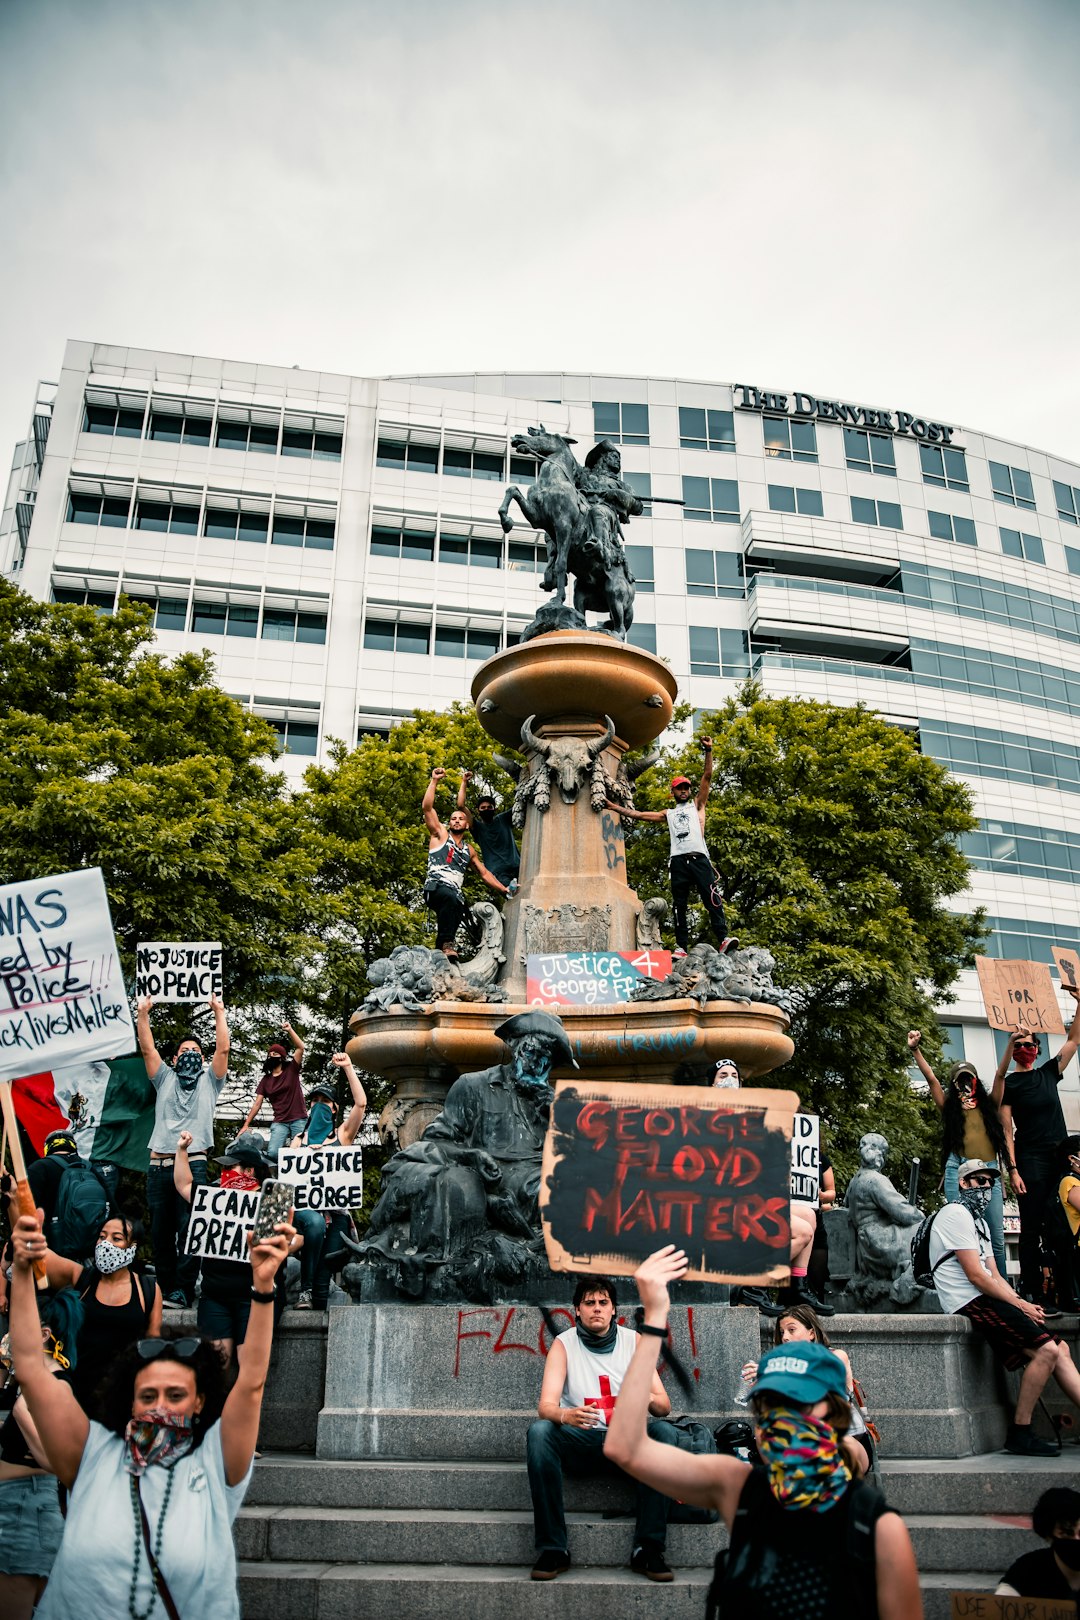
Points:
[(874, 202)]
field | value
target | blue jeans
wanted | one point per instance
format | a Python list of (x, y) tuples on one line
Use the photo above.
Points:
[(282, 1133), (995, 1215), (552, 1448), (169, 1215)]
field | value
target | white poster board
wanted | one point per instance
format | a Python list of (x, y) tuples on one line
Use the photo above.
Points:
[(806, 1158), (328, 1179), (178, 972), (221, 1218), (62, 994)]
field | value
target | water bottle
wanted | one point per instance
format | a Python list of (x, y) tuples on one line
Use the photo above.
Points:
[(742, 1393), (511, 888)]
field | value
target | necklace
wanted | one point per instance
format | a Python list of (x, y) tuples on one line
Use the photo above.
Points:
[(134, 1483)]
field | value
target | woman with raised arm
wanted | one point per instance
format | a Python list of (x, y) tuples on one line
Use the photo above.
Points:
[(797, 1544), (154, 1489)]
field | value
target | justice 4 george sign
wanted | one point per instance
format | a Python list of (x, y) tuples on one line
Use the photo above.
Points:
[(591, 978), (630, 1167)]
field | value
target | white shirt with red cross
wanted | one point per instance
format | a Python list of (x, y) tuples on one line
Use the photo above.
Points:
[(593, 1380)]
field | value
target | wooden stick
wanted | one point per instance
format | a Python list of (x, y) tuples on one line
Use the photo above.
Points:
[(23, 1194)]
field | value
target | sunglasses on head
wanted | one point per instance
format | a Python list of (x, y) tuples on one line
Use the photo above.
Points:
[(171, 1349)]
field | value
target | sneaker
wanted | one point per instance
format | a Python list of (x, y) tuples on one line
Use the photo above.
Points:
[(758, 1299), (1022, 1443), (303, 1300), (730, 944), (174, 1302), (1050, 1312), (549, 1564), (678, 954), (649, 1561)]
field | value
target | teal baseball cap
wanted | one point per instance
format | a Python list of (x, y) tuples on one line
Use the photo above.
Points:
[(804, 1372)]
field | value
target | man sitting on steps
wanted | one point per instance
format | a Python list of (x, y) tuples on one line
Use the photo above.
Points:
[(582, 1378)]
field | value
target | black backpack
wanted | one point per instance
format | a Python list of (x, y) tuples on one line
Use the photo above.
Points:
[(82, 1207), (920, 1252)]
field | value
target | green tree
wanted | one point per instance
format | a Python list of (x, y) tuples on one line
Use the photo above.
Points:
[(837, 844)]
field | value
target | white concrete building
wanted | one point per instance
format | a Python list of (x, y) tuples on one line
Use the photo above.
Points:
[(334, 541)]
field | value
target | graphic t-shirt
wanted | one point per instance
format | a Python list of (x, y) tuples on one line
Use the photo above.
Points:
[(593, 1380), (284, 1094), (955, 1228), (684, 829), (1038, 1121)]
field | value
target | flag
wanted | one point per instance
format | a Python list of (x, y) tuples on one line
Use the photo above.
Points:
[(36, 1107), (108, 1104)]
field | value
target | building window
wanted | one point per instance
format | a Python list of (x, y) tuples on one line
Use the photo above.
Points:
[(526, 557), (387, 635), (640, 483), (879, 514), (1072, 559), (225, 619), (807, 502), (993, 673), (222, 524), (947, 526), (113, 420), (869, 452), (642, 566), (411, 545), (944, 467), (1028, 547), (282, 624), (170, 612), (523, 469), (626, 424), (992, 601), (296, 736), (167, 517), (309, 443), (719, 652), (451, 642), (789, 441), (235, 434), (706, 430), (407, 457), (1012, 484), (1067, 499), (711, 500), (106, 511), (173, 427), (642, 635), (314, 534), (104, 601), (979, 751), (714, 573), (474, 549), (472, 464)]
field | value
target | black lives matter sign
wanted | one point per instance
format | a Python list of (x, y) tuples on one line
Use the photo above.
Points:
[(628, 1168)]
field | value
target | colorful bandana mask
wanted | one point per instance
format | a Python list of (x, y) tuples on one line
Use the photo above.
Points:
[(802, 1454), (159, 1436)]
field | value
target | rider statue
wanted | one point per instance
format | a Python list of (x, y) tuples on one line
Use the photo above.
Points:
[(611, 501)]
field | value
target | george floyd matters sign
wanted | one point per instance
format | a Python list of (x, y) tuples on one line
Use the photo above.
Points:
[(803, 407), (629, 1167)]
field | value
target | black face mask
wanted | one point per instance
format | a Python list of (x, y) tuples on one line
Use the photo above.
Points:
[(1067, 1549), (601, 1344)]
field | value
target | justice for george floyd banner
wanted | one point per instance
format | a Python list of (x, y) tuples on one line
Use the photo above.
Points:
[(629, 1167), (806, 1158), (591, 978), (178, 972), (221, 1218), (325, 1178), (1019, 996), (62, 995)]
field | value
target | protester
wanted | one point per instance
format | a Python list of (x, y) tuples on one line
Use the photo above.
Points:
[(449, 858), (969, 1284), (689, 863), (817, 1267), (795, 1522), (1054, 1570), (30, 1518), (1034, 1124), (280, 1087), (73, 1194), (800, 1325), (168, 1468), (727, 1075), (187, 1091), (583, 1375), (972, 1129), (494, 832), (1063, 1225), (324, 1251), (804, 1220)]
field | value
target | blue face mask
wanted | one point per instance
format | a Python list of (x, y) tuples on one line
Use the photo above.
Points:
[(320, 1123)]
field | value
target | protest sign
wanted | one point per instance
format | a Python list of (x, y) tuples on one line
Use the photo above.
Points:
[(62, 993), (591, 978), (806, 1158), (998, 1606), (629, 1167), (326, 1178), (178, 972), (221, 1218), (1067, 963), (1019, 995)]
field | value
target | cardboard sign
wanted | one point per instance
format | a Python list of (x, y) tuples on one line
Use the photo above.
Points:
[(989, 1606), (171, 972), (62, 994), (1067, 963), (591, 978), (629, 1167), (221, 1218), (326, 1178), (806, 1158), (1019, 995)]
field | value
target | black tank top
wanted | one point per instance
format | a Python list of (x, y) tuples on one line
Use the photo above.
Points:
[(106, 1331), (13, 1446)]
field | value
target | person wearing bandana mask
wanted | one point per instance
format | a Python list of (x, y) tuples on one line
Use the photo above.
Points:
[(793, 1520), (1054, 1571), (968, 1283), (279, 1085), (325, 1236), (187, 1093)]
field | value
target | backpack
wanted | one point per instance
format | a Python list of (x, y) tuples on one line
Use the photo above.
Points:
[(920, 1252), (692, 1436), (82, 1207)]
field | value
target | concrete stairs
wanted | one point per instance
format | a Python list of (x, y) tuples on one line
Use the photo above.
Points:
[(322, 1540)]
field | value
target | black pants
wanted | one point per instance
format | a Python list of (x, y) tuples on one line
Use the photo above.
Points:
[(448, 904), (1040, 1173), (169, 1214), (553, 1447), (694, 872)]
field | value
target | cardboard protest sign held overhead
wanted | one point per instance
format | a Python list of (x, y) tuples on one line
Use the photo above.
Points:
[(630, 1167), (1019, 995), (172, 972), (995, 1606), (806, 1158), (221, 1218), (325, 1178), (591, 978), (62, 994), (1067, 963)]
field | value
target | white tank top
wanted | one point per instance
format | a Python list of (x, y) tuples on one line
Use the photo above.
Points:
[(593, 1380), (684, 828)]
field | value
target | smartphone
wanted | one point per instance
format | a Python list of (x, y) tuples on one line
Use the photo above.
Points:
[(275, 1205)]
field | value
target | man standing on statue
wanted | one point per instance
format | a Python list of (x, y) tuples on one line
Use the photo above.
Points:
[(493, 831), (449, 858), (689, 862)]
